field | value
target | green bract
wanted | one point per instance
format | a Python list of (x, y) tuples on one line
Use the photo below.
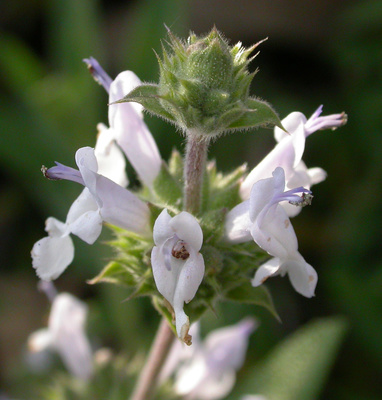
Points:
[(204, 87)]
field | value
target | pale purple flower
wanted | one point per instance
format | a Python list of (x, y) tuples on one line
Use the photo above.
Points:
[(288, 152), (101, 200), (66, 335), (113, 203), (209, 373), (178, 267), (126, 123), (265, 220), (110, 159)]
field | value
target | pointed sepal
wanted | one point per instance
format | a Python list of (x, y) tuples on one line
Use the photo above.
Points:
[(258, 114), (148, 96)]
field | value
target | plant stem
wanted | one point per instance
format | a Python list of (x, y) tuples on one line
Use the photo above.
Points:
[(196, 153), (147, 381), (195, 160)]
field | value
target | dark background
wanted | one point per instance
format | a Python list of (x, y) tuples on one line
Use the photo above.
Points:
[(318, 52)]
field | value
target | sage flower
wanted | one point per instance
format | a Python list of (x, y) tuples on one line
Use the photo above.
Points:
[(66, 335), (101, 200), (210, 372), (265, 220), (288, 152), (178, 267), (127, 126)]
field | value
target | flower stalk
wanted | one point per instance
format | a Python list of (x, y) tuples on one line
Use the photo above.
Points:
[(147, 382), (196, 154)]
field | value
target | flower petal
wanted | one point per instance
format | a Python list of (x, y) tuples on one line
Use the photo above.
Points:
[(122, 208), (266, 270), (88, 226), (316, 175), (162, 230), (238, 223), (39, 340), (110, 159), (189, 280), (66, 325), (131, 133), (226, 347), (51, 255), (165, 280), (302, 276), (261, 195), (88, 166), (291, 123), (188, 229)]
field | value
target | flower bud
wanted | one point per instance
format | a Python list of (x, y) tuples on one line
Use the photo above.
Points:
[(204, 87)]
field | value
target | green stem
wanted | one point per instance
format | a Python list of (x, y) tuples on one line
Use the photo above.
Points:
[(147, 382), (195, 160)]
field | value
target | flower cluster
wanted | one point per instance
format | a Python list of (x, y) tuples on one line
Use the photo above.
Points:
[(202, 257)]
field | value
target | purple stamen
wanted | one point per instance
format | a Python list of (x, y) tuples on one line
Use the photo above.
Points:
[(98, 73), (61, 171), (291, 196), (315, 122)]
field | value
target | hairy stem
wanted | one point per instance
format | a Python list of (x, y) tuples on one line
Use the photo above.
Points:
[(195, 160), (196, 153), (147, 381)]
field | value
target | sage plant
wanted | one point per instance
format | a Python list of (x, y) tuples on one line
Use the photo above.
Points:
[(190, 236)]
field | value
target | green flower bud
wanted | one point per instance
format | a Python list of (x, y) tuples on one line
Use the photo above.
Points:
[(204, 87)]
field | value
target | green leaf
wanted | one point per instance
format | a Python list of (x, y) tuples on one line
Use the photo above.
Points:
[(147, 95), (247, 294), (259, 113), (168, 190), (297, 368), (116, 273)]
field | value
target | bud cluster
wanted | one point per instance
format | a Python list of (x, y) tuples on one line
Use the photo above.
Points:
[(204, 87)]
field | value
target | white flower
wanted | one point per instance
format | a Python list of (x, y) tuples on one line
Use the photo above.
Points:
[(253, 397), (178, 267), (126, 123), (66, 335), (110, 159), (101, 200), (210, 372), (288, 154), (265, 220)]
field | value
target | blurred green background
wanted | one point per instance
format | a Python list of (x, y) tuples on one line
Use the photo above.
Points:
[(318, 52)]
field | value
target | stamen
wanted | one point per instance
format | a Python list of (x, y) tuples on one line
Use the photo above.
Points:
[(292, 197), (305, 200), (174, 247), (61, 171), (98, 73), (315, 122), (179, 251)]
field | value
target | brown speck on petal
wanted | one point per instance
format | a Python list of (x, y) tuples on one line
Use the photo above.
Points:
[(286, 223)]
